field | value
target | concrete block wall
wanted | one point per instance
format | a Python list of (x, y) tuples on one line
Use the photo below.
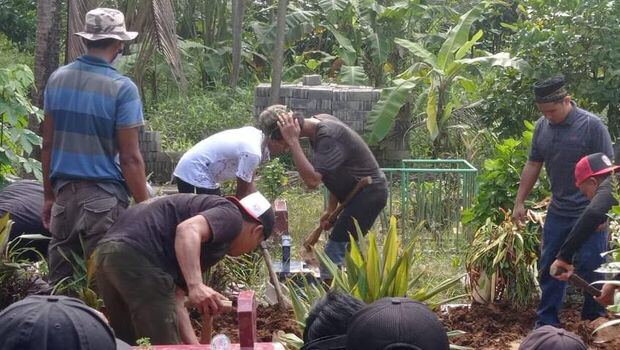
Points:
[(158, 164), (351, 104)]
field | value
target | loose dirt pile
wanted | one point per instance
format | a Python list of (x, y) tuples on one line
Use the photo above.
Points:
[(501, 327)]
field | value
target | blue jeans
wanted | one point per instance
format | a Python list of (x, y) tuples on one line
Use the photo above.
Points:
[(336, 251), (586, 260)]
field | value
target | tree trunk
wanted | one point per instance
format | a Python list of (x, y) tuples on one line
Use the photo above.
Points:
[(237, 20), (46, 47), (278, 53), (76, 12)]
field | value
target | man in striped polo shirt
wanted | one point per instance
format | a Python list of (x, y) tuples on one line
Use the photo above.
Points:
[(92, 116)]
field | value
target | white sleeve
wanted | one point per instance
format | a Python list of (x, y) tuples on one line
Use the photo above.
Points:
[(248, 163)]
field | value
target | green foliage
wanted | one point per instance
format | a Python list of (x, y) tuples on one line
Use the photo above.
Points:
[(16, 141), (18, 21), (498, 181), (184, 121), (11, 53), (371, 273), (18, 277), (501, 262), (273, 179), (437, 72), (80, 283)]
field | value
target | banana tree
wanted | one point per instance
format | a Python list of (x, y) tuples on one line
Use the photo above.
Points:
[(435, 75)]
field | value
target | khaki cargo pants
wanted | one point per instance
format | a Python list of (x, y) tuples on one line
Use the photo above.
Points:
[(81, 215)]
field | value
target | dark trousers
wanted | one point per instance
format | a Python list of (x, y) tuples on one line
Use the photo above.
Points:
[(587, 259), (364, 208), (82, 213), (139, 296), (184, 187)]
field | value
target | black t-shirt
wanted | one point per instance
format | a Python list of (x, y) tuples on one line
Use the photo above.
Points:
[(150, 228), (342, 157), (594, 215), (24, 201)]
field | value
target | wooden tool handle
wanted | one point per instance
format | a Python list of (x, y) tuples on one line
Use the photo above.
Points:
[(316, 233), (578, 281), (363, 182)]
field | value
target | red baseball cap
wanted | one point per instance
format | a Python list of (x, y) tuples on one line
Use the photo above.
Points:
[(593, 165)]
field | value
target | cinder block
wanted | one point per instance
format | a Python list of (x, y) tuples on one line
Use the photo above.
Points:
[(354, 105), (339, 95), (246, 312), (339, 105), (341, 114), (320, 93), (312, 80), (261, 101), (359, 94), (325, 105), (302, 103), (299, 92), (262, 90), (368, 105), (286, 90)]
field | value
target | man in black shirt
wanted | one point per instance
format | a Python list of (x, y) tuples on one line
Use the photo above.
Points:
[(592, 177), (23, 200), (340, 159), (155, 253)]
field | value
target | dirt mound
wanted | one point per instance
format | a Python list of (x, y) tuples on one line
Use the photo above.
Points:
[(268, 320), (501, 327)]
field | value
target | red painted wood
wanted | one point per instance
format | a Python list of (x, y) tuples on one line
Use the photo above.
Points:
[(246, 312)]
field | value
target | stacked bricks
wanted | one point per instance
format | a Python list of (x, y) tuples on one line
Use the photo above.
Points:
[(159, 165), (351, 104)]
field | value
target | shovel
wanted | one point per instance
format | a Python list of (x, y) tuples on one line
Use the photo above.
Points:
[(312, 238)]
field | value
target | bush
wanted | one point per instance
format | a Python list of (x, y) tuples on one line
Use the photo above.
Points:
[(499, 181), (184, 121)]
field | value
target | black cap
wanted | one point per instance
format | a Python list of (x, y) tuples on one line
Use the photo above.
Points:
[(396, 323), (551, 338), (550, 90), (55, 322)]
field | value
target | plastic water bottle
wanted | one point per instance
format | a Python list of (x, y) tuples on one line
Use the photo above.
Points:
[(220, 342)]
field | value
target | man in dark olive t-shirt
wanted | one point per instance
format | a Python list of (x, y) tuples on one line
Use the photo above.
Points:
[(340, 159), (154, 255)]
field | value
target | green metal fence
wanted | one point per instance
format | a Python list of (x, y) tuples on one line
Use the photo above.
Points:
[(428, 196)]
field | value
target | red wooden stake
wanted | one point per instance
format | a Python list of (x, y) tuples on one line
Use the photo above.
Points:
[(246, 311)]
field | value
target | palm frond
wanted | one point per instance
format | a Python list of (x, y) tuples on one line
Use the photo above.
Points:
[(75, 23)]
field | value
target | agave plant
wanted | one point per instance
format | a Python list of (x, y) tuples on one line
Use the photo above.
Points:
[(370, 275)]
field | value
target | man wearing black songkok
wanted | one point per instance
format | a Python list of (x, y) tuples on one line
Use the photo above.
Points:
[(563, 135)]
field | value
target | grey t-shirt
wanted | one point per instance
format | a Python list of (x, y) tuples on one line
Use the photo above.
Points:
[(342, 157), (150, 228), (560, 147)]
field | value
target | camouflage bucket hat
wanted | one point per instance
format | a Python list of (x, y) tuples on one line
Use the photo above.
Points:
[(104, 23), (267, 120)]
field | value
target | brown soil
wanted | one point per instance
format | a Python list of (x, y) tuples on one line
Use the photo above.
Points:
[(268, 321), (500, 327)]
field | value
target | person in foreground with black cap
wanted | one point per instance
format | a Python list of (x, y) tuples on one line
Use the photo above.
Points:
[(55, 323), (155, 254), (389, 324), (563, 135), (593, 177), (551, 338)]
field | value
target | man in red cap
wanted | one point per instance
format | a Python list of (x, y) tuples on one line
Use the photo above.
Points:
[(592, 175)]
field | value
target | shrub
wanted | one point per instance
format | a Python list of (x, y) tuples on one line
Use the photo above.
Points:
[(184, 121), (499, 181)]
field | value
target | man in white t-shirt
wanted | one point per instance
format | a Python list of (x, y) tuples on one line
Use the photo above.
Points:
[(234, 153)]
